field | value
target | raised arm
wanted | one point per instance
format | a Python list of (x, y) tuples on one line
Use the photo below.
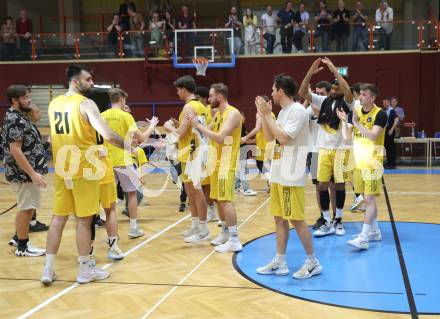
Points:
[(345, 88), (304, 88)]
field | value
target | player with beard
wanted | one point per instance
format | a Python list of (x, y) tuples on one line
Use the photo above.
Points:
[(74, 123), (25, 164), (333, 158), (225, 137)]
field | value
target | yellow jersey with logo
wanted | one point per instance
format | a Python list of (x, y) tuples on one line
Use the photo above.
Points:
[(188, 143), (366, 151), (71, 136), (227, 152), (122, 123), (261, 143)]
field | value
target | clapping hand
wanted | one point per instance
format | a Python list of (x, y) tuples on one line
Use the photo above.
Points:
[(263, 107)]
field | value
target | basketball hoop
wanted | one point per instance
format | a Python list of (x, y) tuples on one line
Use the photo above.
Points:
[(201, 64)]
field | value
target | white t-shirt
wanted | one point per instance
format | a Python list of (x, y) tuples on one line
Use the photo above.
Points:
[(313, 129), (269, 22), (326, 139), (289, 169)]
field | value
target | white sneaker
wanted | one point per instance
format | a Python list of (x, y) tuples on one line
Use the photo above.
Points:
[(250, 192), (358, 201), (308, 270), (358, 243), (115, 253), (48, 277), (190, 231), (373, 236), (28, 253), (135, 233), (274, 268), (212, 215), (220, 239), (339, 228), (197, 237), (86, 275), (231, 246), (100, 273), (35, 249), (324, 230)]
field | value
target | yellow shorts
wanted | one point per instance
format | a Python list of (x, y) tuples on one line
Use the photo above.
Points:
[(367, 182), (108, 194), (206, 181), (222, 185), (287, 202), (82, 200), (183, 176), (334, 163)]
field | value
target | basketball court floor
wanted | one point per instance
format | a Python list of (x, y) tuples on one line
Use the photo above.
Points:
[(163, 277)]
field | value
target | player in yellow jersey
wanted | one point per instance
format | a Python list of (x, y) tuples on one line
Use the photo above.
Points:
[(74, 123), (186, 144), (287, 176), (124, 125), (202, 94), (367, 126), (225, 137)]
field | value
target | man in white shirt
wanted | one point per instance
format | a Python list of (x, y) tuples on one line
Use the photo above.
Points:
[(384, 18), (287, 176), (268, 23), (334, 155)]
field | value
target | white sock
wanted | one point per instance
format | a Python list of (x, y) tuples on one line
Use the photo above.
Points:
[(360, 197), (50, 261), (203, 227), (195, 223), (375, 226), (326, 215), (366, 229), (280, 258), (112, 241), (339, 212), (311, 258), (133, 223), (233, 231), (84, 262)]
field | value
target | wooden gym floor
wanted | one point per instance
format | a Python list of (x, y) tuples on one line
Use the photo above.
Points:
[(162, 277)]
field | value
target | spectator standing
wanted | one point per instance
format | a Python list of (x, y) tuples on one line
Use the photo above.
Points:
[(285, 18), (268, 23), (170, 26), (113, 33), (384, 18), (341, 26), (9, 35), (360, 28), (156, 28), (323, 19), (126, 10), (137, 26), (400, 112), (250, 23), (233, 22), (23, 26), (390, 130), (301, 19), (186, 21)]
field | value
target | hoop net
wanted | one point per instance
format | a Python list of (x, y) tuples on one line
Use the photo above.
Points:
[(201, 64)]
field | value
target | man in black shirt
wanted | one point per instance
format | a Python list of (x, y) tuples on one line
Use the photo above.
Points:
[(360, 28), (392, 123), (341, 27), (25, 164), (126, 9), (285, 18)]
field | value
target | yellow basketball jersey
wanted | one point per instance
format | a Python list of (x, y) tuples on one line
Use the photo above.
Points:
[(364, 148), (208, 115), (187, 142), (260, 143), (226, 160), (71, 136)]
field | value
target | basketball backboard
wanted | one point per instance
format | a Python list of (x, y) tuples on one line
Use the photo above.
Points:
[(216, 45)]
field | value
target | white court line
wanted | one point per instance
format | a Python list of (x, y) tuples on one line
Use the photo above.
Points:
[(73, 286), (196, 267)]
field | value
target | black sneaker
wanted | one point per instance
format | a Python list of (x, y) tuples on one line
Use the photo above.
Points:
[(38, 227), (13, 242), (99, 222), (182, 207), (319, 222), (125, 212)]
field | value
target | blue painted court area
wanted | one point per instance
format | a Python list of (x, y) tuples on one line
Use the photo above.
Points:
[(369, 280)]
